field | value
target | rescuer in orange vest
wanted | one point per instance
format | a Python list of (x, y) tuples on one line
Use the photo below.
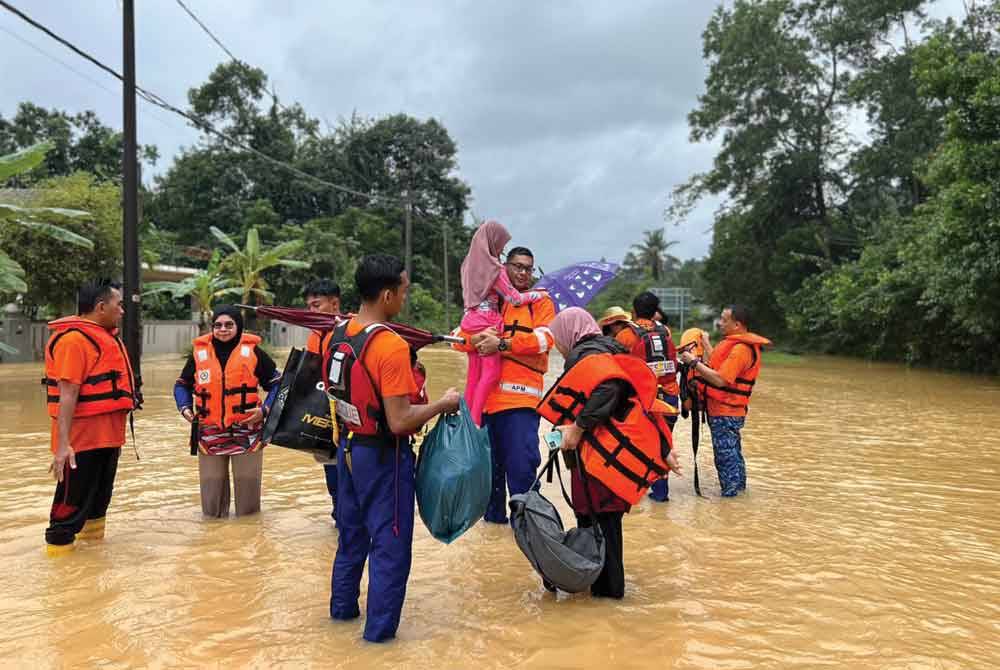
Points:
[(509, 413), (727, 381), (90, 392)]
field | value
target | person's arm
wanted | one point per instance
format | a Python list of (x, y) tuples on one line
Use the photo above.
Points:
[(599, 407), (183, 388), (506, 289), (269, 379), (68, 395), (538, 341), (404, 418)]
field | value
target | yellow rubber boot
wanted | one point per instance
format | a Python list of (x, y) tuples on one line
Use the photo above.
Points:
[(58, 549), (92, 530)]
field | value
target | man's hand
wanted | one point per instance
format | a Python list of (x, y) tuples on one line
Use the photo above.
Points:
[(571, 434), (686, 357), (488, 344), (478, 337), (188, 414), (63, 455), (449, 401), (255, 417)]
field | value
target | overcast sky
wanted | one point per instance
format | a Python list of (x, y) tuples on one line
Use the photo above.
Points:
[(570, 117)]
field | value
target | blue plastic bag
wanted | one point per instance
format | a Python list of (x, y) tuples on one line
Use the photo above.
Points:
[(454, 475)]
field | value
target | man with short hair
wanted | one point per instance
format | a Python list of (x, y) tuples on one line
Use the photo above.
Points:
[(90, 392), (375, 464), (727, 381), (323, 296), (510, 413)]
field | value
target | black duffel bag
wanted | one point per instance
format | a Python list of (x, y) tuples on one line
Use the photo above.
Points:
[(300, 416), (568, 560)]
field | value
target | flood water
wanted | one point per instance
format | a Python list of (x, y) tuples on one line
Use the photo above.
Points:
[(869, 539)]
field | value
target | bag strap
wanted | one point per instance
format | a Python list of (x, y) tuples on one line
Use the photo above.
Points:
[(553, 463)]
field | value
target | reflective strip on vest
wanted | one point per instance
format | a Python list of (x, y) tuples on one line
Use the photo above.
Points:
[(543, 342), (509, 387)]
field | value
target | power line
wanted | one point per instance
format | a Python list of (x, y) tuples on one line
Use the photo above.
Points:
[(222, 46), (80, 74), (196, 121), (207, 31)]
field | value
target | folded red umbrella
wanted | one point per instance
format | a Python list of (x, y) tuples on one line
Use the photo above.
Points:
[(415, 337)]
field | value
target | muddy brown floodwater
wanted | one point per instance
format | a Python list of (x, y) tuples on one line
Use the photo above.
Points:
[(869, 539)]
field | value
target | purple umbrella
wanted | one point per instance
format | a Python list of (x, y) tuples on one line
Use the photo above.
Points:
[(576, 285)]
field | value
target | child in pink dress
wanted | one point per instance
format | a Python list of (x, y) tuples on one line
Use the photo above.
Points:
[(484, 285)]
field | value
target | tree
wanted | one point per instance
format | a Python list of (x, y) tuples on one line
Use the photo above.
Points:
[(652, 254), (204, 289), (77, 143)]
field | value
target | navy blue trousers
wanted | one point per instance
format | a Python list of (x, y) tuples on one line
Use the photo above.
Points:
[(330, 470), (516, 459), (375, 504), (660, 490), (728, 450)]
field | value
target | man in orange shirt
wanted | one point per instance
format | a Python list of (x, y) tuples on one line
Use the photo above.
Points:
[(728, 380), (323, 296), (370, 375), (90, 392), (510, 413)]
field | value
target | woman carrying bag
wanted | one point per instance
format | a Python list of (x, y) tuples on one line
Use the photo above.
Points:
[(605, 404), (218, 393)]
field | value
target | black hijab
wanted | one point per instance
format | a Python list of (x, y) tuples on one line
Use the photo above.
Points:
[(223, 349)]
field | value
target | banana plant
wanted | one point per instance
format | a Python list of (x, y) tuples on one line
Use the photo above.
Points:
[(204, 288), (246, 266)]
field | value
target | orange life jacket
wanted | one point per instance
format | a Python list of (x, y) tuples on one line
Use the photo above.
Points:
[(626, 455), (318, 342), (109, 386), (521, 375), (225, 397), (738, 394)]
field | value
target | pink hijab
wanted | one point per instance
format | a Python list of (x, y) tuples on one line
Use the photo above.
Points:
[(482, 266), (571, 325)]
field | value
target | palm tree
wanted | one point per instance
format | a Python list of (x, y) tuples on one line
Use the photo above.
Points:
[(652, 254), (203, 288), (246, 266)]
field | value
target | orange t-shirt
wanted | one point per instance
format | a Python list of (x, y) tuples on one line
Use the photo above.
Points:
[(740, 360), (388, 362), (74, 358)]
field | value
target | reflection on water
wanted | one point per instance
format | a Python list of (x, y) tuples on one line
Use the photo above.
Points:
[(868, 540)]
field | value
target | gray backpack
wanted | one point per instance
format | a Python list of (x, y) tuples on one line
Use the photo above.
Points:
[(569, 560)]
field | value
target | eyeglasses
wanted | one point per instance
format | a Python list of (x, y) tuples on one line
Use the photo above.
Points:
[(226, 325), (520, 268)]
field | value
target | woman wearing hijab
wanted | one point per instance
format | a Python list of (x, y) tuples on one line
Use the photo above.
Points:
[(578, 338), (217, 392), (484, 285)]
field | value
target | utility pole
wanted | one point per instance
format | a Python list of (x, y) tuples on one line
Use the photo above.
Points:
[(408, 232), (130, 193), (447, 295)]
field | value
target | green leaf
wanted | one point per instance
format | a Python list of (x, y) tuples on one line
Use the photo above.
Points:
[(225, 239), (23, 160), (253, 243), (58, 233)]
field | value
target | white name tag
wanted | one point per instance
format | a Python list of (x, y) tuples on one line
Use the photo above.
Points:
[(202, 355), (348, 412), (662, 368)]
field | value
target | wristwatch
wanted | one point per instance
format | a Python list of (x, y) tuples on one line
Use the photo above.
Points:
[(502, 345)]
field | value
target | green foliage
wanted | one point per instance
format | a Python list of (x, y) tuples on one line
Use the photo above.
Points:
[(651, 255), (204, 289), (52, 273), (246, 266), (78, 143)]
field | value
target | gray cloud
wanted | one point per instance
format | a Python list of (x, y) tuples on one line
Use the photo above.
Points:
[(570, 117)]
